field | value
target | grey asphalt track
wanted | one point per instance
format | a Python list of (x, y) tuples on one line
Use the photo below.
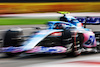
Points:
[(50, 60)]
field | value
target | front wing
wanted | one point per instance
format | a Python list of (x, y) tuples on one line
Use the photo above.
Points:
[(37, 49)]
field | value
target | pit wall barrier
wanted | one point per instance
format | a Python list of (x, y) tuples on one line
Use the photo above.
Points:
[(49, 7)]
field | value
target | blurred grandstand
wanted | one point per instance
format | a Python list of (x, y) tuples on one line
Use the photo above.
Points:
[(49, 0), (40, 6)]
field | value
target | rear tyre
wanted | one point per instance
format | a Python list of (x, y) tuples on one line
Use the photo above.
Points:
[(97, 35)]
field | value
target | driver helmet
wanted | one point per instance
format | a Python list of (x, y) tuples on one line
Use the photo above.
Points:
[(58, 26), (63, 18)]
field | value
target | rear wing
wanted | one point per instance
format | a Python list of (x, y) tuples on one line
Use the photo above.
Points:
[(89, 20)]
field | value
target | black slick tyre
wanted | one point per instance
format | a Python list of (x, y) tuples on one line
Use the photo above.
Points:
[(76, 47)]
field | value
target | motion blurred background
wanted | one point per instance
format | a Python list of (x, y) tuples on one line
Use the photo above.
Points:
[(35, 8), (40, 6)]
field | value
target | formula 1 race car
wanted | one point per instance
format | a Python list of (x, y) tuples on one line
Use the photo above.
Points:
[(67, 36)]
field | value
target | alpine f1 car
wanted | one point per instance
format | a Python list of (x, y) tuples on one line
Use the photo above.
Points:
[(67, 36)]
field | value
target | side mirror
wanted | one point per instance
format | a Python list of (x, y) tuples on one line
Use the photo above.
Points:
[(86, 21)]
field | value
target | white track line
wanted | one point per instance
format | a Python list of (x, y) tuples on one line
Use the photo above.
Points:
[(65, 62), (46, 15)]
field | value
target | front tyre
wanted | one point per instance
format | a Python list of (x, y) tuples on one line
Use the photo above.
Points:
[(76, 47)]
